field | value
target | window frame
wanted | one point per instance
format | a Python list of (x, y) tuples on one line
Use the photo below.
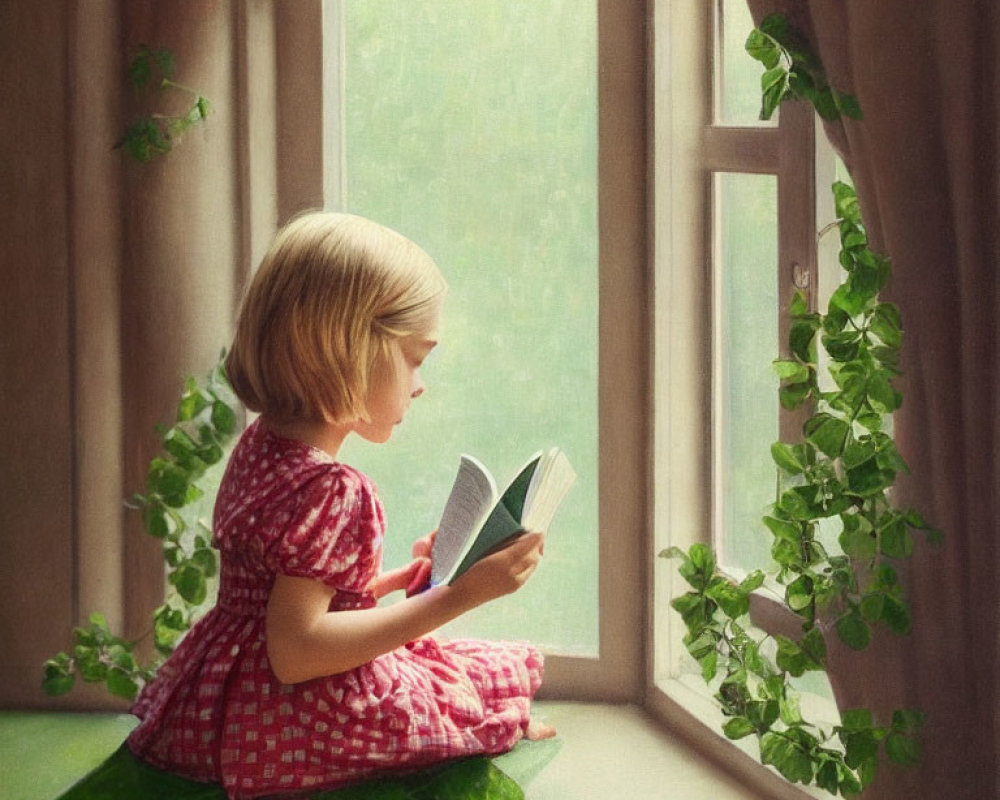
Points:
[(688, 149)]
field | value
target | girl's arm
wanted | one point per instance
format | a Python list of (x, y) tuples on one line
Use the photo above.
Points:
[(305, 640)]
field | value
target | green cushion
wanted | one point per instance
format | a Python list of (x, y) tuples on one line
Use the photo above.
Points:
[(127, 777), (44, 753)]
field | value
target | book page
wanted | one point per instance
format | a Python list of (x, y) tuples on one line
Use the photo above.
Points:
[(472, 496), (549, 485), (504, 520)]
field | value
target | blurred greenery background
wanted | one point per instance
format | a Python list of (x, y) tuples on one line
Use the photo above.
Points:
[(471, 127)]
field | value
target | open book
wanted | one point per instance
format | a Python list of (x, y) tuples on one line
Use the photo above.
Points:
[(476, 520)]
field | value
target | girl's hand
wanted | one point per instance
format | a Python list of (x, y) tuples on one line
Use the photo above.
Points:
[(422, 547), (413, 577), (503, 572)]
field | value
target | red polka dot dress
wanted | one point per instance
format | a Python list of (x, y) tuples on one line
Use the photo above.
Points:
[(216, 712)]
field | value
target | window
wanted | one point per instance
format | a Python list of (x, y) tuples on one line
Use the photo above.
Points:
[(734, 239), (473, 130)]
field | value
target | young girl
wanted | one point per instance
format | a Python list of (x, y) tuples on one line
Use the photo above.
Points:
[(296, 680)]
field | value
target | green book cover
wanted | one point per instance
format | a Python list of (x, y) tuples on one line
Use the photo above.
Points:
[(475, 521)]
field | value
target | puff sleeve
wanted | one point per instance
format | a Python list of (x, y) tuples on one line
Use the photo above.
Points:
[(331, 533)]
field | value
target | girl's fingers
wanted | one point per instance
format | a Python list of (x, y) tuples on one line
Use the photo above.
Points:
[(421, 576), (422, 547)]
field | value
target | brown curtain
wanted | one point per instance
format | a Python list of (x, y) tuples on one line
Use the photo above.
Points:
[(924, 161)]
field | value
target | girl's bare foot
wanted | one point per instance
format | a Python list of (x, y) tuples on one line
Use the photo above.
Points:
[(538, 730)]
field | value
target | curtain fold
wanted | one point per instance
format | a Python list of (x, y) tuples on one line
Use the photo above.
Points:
[(924, 162)]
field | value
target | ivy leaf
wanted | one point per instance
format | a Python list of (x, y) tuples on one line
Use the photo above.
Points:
[(850, 299), (857, 453), (814, 645), (192, 402), (859, 746), (799, 593), (792, 371), (167, 479), (168, 625), (786, 756), (793, 395), (698, 566), (886, 323), (848, 105), (763, 713), (881, 395), (58, 678), (774, 86), (895, 539), (902, 749), (190, 583), (122, 684), (842, 346), (784, 529), (845, 201), (791, 658), (896, 615), (763, 48), (799, 502), (855, 719), (866, 479), (223, 417), (693, 610), (205, 559), (801, 336), (827, 776), (709, 665), (752, 582), (155, 521), (791, 710), (785, 457), (854, 631), (731, 599), (827, 433), (908, 720), (872, 605), (701, 645), (737, 728)]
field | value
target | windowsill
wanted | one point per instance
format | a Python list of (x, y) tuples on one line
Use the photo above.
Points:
[(612, 751), (686, 704)]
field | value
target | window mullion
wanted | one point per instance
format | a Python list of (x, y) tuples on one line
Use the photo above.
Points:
[(797, 270)]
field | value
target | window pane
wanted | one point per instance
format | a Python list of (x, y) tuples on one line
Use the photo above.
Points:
[(746, 342), (472, 128), (737, 78)]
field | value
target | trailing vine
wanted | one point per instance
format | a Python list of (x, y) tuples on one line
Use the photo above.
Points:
[(151, 71), (841, 473), (173, 511)]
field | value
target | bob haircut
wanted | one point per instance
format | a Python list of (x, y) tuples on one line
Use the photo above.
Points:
[(330, 298)]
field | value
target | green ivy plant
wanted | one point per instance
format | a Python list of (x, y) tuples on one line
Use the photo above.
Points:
[(840, 474), (151, 71), (793, 71), (180, 482)]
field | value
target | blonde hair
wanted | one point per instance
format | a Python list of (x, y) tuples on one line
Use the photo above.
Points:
[(321, 313)]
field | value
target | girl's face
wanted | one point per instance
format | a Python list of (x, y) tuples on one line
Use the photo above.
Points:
[(395, 384)]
